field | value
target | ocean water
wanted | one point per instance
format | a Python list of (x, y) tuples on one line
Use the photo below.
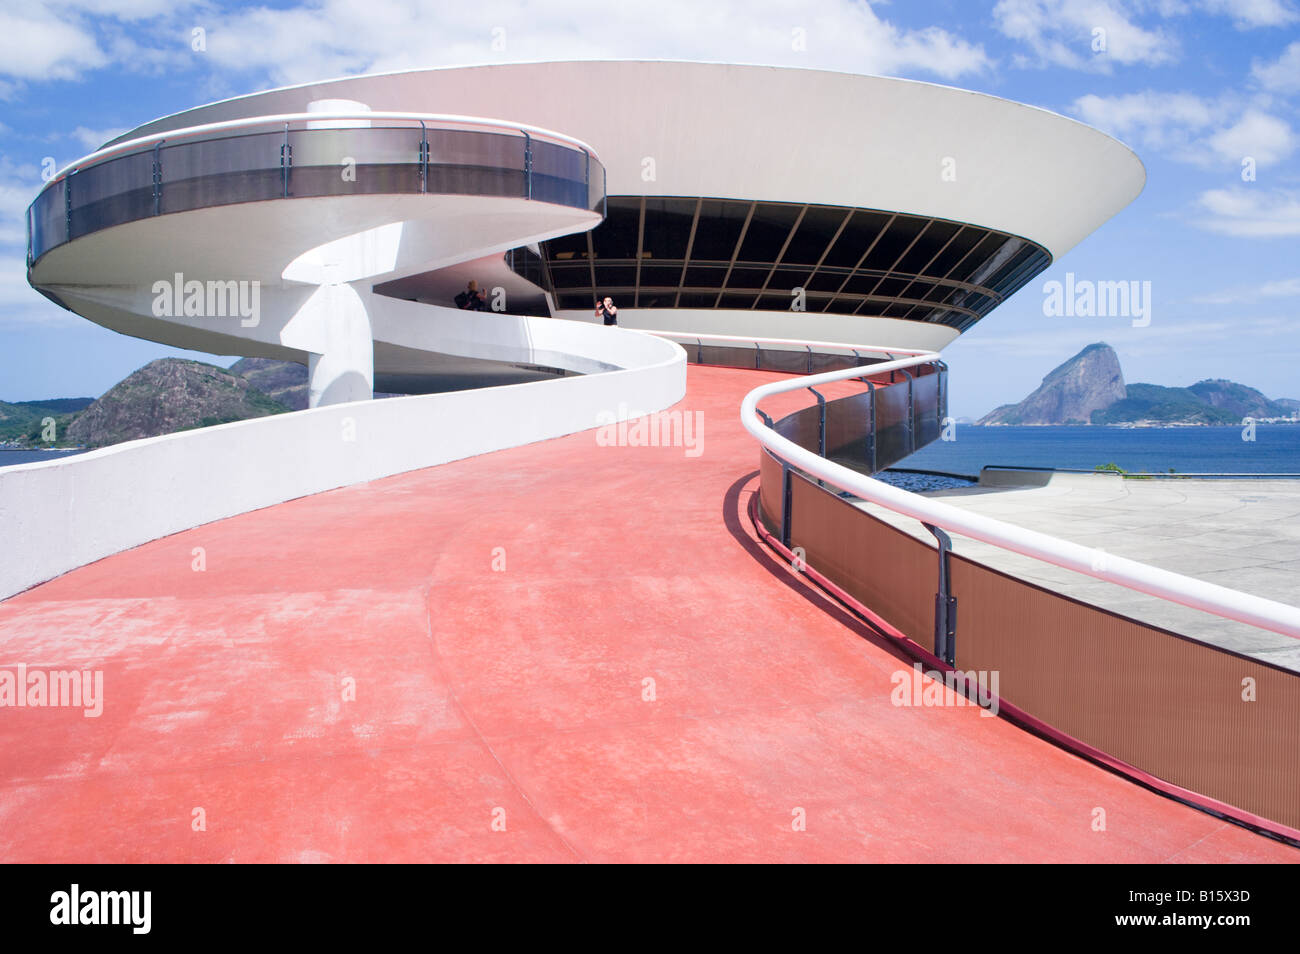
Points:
[(1211, 450), (10, 457)]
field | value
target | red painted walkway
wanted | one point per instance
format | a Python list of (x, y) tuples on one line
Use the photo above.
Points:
[(520, 696)]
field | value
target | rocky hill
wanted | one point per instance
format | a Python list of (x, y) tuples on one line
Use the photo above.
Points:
[(168, 395), (1090, 389), (1090, 381), (1154, 404), (21, 423), (1240, 401), (283, 381)]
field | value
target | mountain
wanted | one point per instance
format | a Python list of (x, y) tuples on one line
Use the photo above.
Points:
[(23, 421), (1090, 381), (1154, 404), (1090, 389), (168, 395), (283, 381), (1240, 401)]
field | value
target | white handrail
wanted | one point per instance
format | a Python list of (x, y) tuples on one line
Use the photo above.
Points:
[(1185, 590), (189, 132), (793, 341)]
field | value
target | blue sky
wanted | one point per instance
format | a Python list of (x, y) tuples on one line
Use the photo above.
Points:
[(1196, 87)]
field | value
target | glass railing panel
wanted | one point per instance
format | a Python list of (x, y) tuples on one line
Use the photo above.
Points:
[(48, 219), (223, 171), (241, 166), (803, 427), (882, 567), (893, 434), (111, 193), (848, 431), (559, 174), (367, 161), (792, 362), (925, 397), (1169, 705)]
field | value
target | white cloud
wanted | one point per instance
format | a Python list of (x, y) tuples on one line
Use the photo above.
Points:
[(1287, 288), (128, 10), (21, 304), (1283, 74), (1284, 288), (37, 46), (1189, 128), (92, 139), (1247, 14), (1249, 213), (1257, 135), (1068, 32), (326, 38)]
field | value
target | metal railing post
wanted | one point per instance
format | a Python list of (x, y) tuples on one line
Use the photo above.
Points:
[(699, 351), (810, 353), (911, 414), (758, 353), (67, 204), (821, 427), (157, 178), (943, 391), (528, 162), (786, 500), (945, 604), (424, 158), (286, 160), (871, 423)]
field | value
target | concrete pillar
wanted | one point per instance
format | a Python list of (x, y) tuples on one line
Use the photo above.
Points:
[(341, 366)]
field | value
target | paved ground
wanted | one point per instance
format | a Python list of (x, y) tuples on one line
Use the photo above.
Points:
[(641, 682), (1243, 534)]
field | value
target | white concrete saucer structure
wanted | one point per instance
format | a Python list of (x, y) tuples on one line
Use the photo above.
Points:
[(333, 223), (747, 200)]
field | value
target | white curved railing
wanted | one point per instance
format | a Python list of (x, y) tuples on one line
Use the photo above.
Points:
[(187, 132), (743, 339), (1165, 584)]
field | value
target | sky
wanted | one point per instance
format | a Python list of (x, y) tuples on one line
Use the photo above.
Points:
[(1205, 91)]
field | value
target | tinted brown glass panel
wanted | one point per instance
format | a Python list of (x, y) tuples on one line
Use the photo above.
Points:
[(888, 571), (769, 491), (768, 229), (856, 238), (1167, 705), (667, 228), (893, 435), (848, 430), (814, 235), (617, 236)]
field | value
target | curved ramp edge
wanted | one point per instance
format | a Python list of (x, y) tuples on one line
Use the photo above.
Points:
[(75, 511)]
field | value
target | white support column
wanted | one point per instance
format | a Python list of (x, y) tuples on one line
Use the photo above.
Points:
[(341, 367)]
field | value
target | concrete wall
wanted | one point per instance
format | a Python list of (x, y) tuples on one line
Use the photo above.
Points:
[(60, 515)]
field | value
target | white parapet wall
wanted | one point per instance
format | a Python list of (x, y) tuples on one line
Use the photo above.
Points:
[(60, 515)]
